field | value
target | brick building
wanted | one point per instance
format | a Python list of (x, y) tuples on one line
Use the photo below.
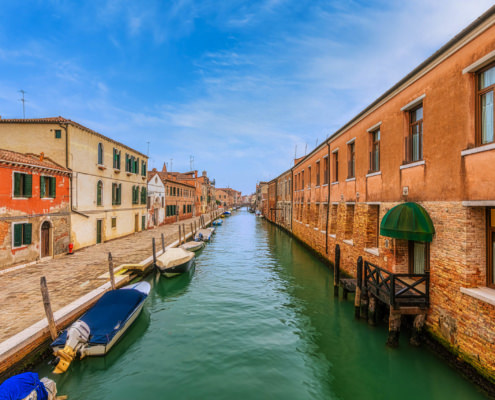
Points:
[(407, 185), (35, 204)]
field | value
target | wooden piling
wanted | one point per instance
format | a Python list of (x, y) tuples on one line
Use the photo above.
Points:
[(48, 308), (393, 328), (180, 242), (336, 272), (192, 232), (195, 230), (163, 243), (184, 232), (154, 251), (372, 310), (418, 324), (364, 303), (359, 285), (110, 270)]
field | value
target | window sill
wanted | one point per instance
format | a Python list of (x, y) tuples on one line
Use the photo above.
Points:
[(479, 149), (350, 242), (372, 250), (307, 225), (101, 166), (325, 184), (334, 183), (413, 164), (373, 174), (332, 235), (324, 232), (116, 170), (351, 179), (129, 173), (21, 198), (484, 294), (316, 229), (47, 198)]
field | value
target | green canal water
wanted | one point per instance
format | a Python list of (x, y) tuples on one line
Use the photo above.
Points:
[(257, 320)]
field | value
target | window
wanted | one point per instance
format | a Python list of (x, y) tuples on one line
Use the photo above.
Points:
[(490, 230), (309, 176), (47, 186), (114, 222), (135, 195), (100, 154), (58, 134), (23, 185), (143, 168), (351, 168), (116, 193), (22, 234), (127, 163), (99, 193), (317, 173), (184, 209), (486, 86), (325, 171), (302, 180), (349, 222), (375, 151), (116, 158), (335, 156), (414, 140), (418, 257), (143, 195), (372, 226)]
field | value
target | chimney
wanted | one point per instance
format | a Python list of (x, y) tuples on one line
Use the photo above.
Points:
[(42, 156)]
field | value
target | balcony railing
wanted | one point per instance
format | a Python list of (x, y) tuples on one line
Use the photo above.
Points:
[(398, 290)]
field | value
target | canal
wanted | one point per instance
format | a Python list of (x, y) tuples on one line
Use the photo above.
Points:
[(257, 320)]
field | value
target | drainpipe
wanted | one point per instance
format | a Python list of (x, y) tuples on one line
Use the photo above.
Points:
[(328, 198)]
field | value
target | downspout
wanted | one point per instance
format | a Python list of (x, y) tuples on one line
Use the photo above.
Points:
[(328, 198)]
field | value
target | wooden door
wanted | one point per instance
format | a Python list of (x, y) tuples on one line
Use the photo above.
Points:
[(98, 230), (45, 239)]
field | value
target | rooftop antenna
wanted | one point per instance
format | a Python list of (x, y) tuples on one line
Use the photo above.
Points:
[(171, 163), (306, 149), (191, 163), (316, 145), (23, 103), (295, 152), (148, 153)]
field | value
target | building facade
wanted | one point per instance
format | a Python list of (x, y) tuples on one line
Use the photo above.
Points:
[(407, 186), (108, 182), (35, 208), (156, 200)]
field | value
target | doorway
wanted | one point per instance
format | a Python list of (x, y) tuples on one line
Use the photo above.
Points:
[(98, 230), (136, 223), (45, 239)]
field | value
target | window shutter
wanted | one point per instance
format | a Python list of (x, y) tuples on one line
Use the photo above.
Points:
[(28, 185), (17, 235), (98, 194), (27, 233), (53, 187), (42, 186), (114, 193), (120, 193), (17, 184)]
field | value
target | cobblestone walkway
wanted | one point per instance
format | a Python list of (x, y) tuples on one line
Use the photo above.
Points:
[(71, 276)]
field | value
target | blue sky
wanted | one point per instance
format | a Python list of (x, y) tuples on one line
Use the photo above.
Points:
[(236, 84)]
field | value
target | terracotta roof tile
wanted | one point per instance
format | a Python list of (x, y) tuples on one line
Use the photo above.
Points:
[(30, 159)]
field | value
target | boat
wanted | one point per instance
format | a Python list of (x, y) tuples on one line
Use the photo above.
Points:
[(101, 327), (193, 246), (175, 261), (227, 213), (28, 386), (203, 235), (217, 222), (212, 229)]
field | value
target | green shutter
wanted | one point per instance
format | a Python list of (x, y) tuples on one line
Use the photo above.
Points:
[(26, 239), (119, 197), (53, 187), (17, 184), (17, 235), (28, 185), (114, 193), (98, 194), (42, 186), (58, 134)]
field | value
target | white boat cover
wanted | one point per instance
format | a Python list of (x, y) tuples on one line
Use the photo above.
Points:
[(192, 246), (173, 257)]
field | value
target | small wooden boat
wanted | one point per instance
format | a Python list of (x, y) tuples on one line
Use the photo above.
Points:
[(203, 235), (28, 386), (193, 246), (175, 261), (217, 222), (101, 327)]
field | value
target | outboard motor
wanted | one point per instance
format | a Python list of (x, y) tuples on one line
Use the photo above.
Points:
[(77, 338)]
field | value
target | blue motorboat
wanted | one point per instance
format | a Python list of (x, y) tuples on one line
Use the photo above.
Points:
[(100, 328), (217, 222), (28, 385)]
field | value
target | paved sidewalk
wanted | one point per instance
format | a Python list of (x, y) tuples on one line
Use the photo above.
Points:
[(71, 276)]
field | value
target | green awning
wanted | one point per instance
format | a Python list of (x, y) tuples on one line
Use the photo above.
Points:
[(408, 221)]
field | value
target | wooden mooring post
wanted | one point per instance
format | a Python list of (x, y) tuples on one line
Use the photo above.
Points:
[(192, 232), (184, 232), (419, 322), (110, 270), (154, 251), (48, 308), (394, 328), (163, 243), (372, 305), (336, 272), (359, 285), (180, 242)]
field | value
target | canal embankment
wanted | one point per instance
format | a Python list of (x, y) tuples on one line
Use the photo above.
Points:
[(75, 283)]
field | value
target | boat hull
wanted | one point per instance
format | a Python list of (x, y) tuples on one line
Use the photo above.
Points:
[(177, 269)]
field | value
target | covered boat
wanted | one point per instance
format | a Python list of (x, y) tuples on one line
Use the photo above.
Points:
[(28, 386), (193, 246), (175, 261), (100, 328), (203, 235), (227, 213), (217, 222)]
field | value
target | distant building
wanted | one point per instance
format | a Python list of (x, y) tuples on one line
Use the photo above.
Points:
[(108, 181), (156, 199), (35, 208)]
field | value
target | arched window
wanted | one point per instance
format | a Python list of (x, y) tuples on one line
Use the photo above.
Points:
[(100, 154), (99, 193)]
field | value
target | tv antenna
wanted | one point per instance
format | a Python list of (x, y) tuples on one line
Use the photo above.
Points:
[(191, 163), (148, 153), (23, 100), (171, 163)]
